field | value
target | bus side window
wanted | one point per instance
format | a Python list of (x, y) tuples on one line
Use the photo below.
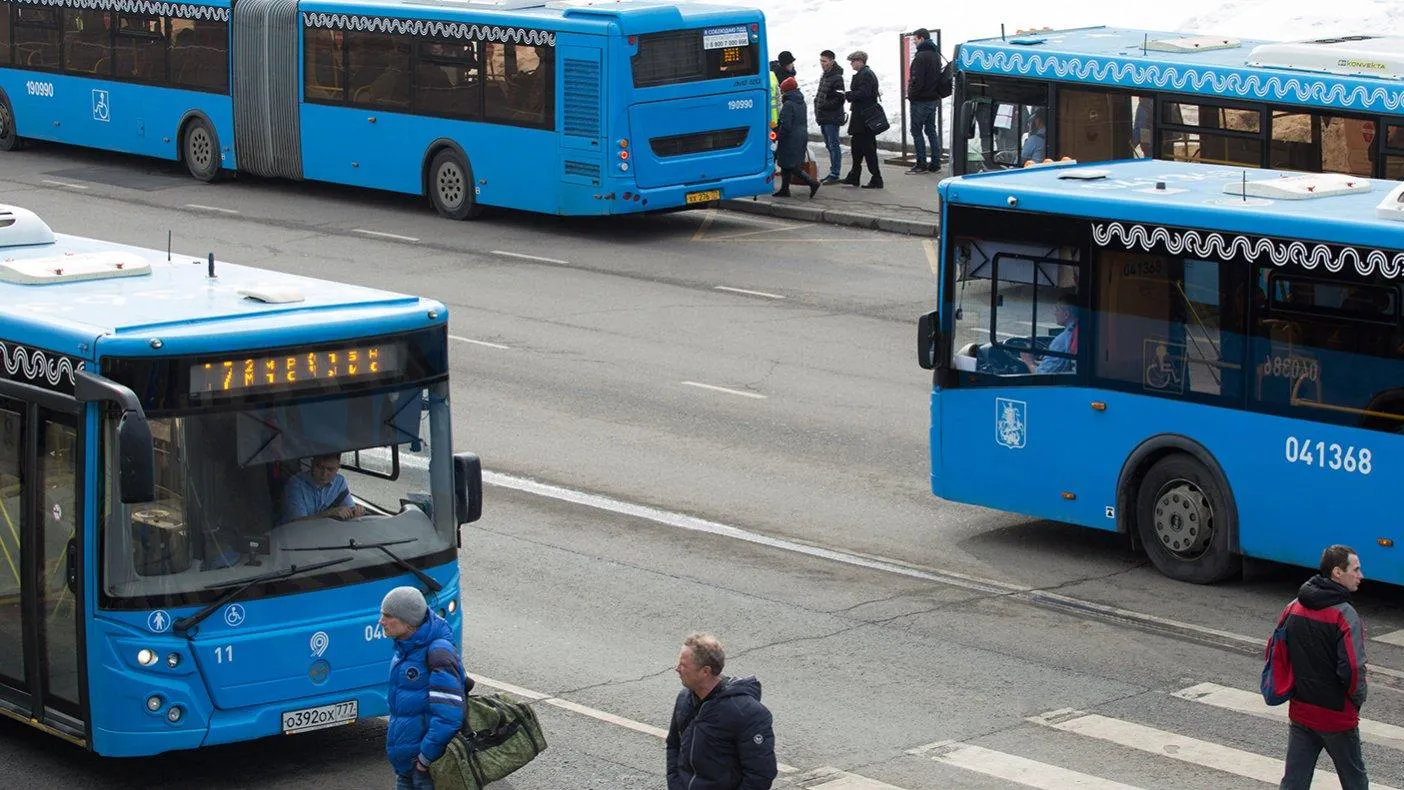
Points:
[(519, 80), (4, 34), (378, 67), (140, 50), (447, 81), (37, 36), (324, 69), (1094, 125), (87, 41)]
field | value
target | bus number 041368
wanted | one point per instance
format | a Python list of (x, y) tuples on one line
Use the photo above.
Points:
[(1329, 456)]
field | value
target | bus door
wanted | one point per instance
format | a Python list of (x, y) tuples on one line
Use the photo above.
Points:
[(582, 110), (41, 615)]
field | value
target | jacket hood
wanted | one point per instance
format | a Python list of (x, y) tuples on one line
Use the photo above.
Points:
[(1320, 592), (433, 627), (793, 94), (927, 44), (739, 687), (834, 69)]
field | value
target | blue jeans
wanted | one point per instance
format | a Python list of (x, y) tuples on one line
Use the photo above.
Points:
[(1304, 746), (831, 142), (414, 780), (924, 123)]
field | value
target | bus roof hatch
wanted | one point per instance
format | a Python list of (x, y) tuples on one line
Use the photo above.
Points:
[(1371, 56), (1191, 44), (73, 268), (1303, 187)]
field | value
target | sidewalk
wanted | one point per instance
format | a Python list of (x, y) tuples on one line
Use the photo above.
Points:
[(905, 204)]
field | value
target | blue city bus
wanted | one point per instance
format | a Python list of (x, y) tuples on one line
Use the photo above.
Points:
[(160, 587), (1100, 94), (1208, 359), (559, 107)]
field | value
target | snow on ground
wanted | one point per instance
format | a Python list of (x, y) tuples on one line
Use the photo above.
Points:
[(805, 27)]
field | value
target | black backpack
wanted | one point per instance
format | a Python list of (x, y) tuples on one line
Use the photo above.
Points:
[(945, 81)]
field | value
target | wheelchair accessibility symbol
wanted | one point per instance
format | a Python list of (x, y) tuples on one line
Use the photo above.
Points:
[(102, 109), (1164, 365)]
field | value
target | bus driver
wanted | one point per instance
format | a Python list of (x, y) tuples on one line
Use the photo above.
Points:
[(321, 492)]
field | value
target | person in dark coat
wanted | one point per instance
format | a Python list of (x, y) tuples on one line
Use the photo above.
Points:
[(783, 66), (828, 111), (862, 94), (923, 92), (792, 139), (720, 736)]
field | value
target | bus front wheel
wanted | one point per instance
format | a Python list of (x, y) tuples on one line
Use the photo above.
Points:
[(451, 186), (9, 134), (200, 149), (1184, 521)]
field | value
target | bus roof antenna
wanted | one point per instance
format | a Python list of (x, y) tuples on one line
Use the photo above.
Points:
[(168, 245), (1145, 44), (1245, 186), (212, 274), (1001, 31)]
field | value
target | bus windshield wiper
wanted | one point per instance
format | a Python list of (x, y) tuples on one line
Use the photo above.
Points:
[(351, 544), (237, 588)]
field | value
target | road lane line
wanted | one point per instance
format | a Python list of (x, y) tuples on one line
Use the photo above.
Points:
[(525, 257), (748, 293), (63, 184), (704, 224), (1251, 703), (932, 259), (828, 778), (211, 208), (585, 710), (479, 342), (715, 388), (1020, 770), (1178, 747), (1391, 638), (383, 235)]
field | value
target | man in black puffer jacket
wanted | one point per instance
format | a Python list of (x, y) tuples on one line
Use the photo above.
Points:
[(720, 737), (828, 111), (923, 91)]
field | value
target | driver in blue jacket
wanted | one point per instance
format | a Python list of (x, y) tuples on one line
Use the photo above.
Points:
[(426, 687)]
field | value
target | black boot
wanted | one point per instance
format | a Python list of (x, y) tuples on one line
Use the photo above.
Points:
[(782, 191), (853, 178), (813, 187), (874, 183)]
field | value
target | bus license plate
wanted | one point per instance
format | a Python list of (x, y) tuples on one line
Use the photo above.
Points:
[(320, 717), (703, 197)]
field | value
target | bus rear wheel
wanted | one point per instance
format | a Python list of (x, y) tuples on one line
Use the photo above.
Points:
[(200, 149), (1185, 522), (9, 134), (451, 186)]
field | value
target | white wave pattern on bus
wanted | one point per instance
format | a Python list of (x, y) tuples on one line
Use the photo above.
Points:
[(35, 365), (1224, 247), (1220, 81), (429, 27), (148, 7)]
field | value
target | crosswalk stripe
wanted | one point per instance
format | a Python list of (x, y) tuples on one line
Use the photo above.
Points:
[(1029, 773), (1391, 638), (1239, 701), (828, 778), (1177, 747)]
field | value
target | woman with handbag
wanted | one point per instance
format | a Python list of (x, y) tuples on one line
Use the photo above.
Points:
[(866, 121), (792, 140)]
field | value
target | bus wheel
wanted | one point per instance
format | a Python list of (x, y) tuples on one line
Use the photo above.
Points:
[(451, 186), (1185, 522), (9, 136), (200, 149)]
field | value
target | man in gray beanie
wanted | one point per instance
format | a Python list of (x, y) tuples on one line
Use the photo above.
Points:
[(423, 717)]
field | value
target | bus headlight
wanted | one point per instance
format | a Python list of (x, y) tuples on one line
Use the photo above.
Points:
[(146, 657), (153, 703), (173, 715), (453, 605)]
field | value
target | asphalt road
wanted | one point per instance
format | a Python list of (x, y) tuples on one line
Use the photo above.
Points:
[(757, 374)]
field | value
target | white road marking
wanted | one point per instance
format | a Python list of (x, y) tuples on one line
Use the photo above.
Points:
[(383, 235), (1178, 747), (715, 388), (583, 710), (479, 342), (833, 779), (1391, 638), (1251, 703), (63, 184), (932, 259), (526, 257), (748, 293), (1020, 770), (211, 208)]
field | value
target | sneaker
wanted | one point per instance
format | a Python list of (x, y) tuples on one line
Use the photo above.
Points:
[(934, 169), (830, 180), (919, 168)]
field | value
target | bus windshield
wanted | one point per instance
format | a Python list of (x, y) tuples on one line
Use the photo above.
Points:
[(247, 492)]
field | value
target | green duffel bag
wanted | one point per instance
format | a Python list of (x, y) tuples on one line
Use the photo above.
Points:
[(499, 736)]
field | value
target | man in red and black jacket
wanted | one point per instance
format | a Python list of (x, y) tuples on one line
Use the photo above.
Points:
[(1326, 644)]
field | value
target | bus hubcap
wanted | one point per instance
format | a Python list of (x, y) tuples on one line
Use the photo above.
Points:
[(450, 185), (199, 148), (1184, 519)]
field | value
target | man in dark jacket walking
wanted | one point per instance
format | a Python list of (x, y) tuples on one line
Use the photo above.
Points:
[(828, 111), (792, 139), (720, 737), (862, 94), (1326, 647), (923, 92)]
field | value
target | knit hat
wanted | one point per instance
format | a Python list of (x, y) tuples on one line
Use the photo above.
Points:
[(405, 604), (785, 58), (789, 84)]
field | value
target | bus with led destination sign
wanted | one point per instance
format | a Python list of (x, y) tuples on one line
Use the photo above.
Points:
[(295, 370), (216, 473)]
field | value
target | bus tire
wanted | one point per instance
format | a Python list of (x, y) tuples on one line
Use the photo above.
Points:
[(9, 130), (199, 149), (1185, 522), (450, 186)]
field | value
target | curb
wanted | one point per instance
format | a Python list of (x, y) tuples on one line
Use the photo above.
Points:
[(853, 219)]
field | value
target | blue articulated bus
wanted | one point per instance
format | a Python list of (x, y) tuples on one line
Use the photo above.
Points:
[(1209, 359), (566, 107), (160, 588), (1102, 93)]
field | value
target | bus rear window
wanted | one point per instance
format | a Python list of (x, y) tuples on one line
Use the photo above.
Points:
[(695, 55)]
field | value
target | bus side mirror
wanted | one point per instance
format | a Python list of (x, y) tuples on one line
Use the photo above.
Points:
[(967, 119), (136, 459), (929, 345), (468, 487)]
